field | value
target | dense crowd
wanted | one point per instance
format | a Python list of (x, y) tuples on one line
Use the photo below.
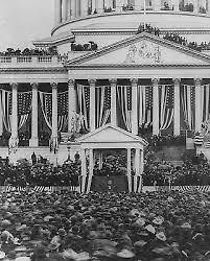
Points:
[(39, 174), (148, 28), (165, 174), (155, 226), (30, 51), (90, 46)]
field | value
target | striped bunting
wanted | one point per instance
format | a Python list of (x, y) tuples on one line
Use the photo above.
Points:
[(198, 140), (36, 189), (178, 188)]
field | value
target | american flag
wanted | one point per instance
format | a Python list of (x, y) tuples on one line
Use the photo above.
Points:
[(63, 103), (87, 97), (149, 97), (48, 104), (170, 96), (207, 141), (107, 100), (129, 102), (24, 103)]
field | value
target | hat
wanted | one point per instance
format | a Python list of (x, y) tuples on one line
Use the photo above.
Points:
[(2, 255), (158, 220), (161, 236), (125, 253), (150, 229)]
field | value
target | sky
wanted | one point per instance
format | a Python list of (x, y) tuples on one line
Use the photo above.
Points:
[(22, 21)]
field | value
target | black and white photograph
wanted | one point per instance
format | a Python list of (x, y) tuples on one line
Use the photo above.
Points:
[(104, 130)]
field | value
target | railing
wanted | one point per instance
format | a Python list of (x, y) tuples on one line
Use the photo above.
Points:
[(24, 59), (5, 59), (29, 60)]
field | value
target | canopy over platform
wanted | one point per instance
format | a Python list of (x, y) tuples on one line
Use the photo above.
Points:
[(112, 137)]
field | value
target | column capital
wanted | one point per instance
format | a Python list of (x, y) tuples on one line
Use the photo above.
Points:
[(113, 81), (92, 82), (155, 81), (176, 80), (134, 81), (54, 85), (14, 85), (34, 85), (197, 81), (71, 82)]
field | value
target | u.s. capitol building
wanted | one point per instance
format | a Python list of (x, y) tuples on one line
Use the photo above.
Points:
[(142, 67)]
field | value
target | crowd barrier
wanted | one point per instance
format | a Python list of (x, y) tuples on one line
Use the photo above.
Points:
[(144, 188)]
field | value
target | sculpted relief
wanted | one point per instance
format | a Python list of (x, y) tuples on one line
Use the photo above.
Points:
[(143, 52)]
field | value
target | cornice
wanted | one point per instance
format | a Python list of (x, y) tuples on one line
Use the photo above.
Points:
[(137, 66), (41, 70)]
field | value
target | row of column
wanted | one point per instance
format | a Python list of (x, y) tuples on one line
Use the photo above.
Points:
[(113, 84), (70, 9)]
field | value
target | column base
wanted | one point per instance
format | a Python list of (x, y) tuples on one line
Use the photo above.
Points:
[(34, 142)]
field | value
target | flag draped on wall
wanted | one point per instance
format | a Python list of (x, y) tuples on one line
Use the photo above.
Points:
[(24, 108), (124, 101), (62, 111), (83, 104), (6, 110), (188, 101), (46, 106), (144, 105), (205, 100), (103, 103), (166, 106)]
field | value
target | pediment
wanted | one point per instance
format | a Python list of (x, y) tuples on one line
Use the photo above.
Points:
[(144, 49), (111, 134)]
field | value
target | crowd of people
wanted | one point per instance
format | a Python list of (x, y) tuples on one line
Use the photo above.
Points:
[(165, 174), (90, 46), (148, 28), (40, 173), (153, 226), (30, 52)]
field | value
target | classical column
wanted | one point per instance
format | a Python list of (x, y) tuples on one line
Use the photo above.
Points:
[(84, 8), (129, 169), (57, 12), (73, 9), (176, 5), (134, 115), (118, 6), (77, 4), (54, 111), (208, 7), (113, 83), (198, 109), (83, 170), (71, 103), (137, 168), (94, 6), (91, 167), (176, 107), (141, 169), (14, 120), (155, 107), (65, 10), (68, 9), (157, 5), (196, 6), (1, 118), (34, 141), (92, 117), (100, 6)]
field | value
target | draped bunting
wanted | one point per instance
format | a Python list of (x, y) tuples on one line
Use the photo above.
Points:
[(24, 108), (166, 106), (123, 99), (102, 106), (46, 106), (187, 100), (205, 99), (62, 111), (6, 104), (83, 104), (144, 105)]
